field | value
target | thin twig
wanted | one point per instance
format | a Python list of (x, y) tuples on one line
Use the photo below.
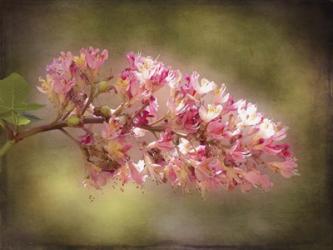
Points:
[(68, 113), (90, 99), (57, 125), (69, 135), (158, 120), (82, 147)]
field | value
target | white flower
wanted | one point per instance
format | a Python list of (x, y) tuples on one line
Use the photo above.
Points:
[(220, 96), (248, 114), (146, 68), (174, 79), (204, 86), (184, 146), (266, 129), (140, 176), (209, 113), (140, 165), (180, 106), (138, 132)]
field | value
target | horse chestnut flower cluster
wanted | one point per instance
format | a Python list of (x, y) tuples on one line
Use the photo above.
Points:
[(206, 140)]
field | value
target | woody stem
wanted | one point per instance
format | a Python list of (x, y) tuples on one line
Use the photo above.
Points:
[(54, 126)]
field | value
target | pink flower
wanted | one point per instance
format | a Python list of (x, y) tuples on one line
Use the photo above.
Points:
[(189, 118), (165, 142), (187, 88), (210, 113), (117, 150), (257, 179), (152, 107), (60, 73), (207, 178), (97, 177), (207, 140), (220, 97), (142, 118), (204, 86), (136, 171), (111, 130), (287, 168), (95, 58), (180, 175), (130, 171), (237, 154), (215, 130), (154, 171), (87, 139), (144, 74), (67, 78), (138, 132)]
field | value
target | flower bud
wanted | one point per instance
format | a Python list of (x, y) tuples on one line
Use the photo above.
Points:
[(103, 86), (122, 119), (106, 111), (103, 111), (73, 121)]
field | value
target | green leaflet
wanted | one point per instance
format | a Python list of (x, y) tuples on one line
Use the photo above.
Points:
[(31, 116), (15, 118), (14, 91)]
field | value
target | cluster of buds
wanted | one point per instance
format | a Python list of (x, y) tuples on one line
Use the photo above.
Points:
[(206, 140)]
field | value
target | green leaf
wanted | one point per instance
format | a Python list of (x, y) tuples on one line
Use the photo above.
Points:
[(28, 106), (15, 118), (31, 116), (14, 91)]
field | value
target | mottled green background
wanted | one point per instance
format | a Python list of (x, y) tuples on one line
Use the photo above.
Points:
[(266, 53)]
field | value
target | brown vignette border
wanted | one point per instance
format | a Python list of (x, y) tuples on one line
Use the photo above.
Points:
[(326, 10)]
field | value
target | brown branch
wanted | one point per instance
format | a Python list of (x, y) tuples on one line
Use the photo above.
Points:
[(62, 124), (55, 126), (89, 100), (83, 149)]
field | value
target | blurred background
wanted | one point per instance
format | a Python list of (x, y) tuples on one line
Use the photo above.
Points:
[(272, 54)]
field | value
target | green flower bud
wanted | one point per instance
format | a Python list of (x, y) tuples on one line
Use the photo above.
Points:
[(103, 86), (73, 121), (106, 111)]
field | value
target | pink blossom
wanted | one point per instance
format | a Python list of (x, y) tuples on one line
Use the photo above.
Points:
[(152, 107), (189, 118), (87, 139), (287, 168), (220, 97), (206, 140), (136, 172), (236, 154), (60, 72), (112, 129), (215, 129), (144, 74), (95, 58), (138, 132), (68, 76), (97, 177), (129, 172), (204, 86), (210, 113), (142, 118), (255, 178), (165, 142), (117, 149)]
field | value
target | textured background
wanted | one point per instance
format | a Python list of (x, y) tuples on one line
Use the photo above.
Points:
[(275, 55)]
